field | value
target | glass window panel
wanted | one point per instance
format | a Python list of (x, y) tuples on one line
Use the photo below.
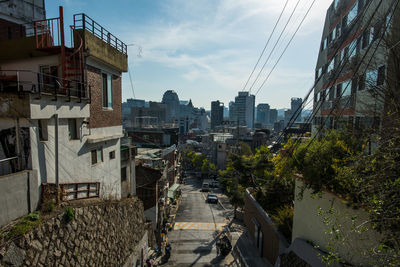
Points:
[(109, 91), (346, 87), (105, 94), (352, 13)]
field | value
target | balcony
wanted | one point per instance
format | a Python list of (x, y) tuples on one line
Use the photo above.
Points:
[(22, 82)]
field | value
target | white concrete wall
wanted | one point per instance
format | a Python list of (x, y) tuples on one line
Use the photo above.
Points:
[(309, 225), (75, 159)]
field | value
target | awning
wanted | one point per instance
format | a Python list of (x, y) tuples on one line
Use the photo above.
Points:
[(172, 190)]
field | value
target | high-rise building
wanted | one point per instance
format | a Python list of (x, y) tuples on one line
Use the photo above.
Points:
[(263, 114), (217, 113), (295, 107), (273, 116), (171, 99), (244, 109), (351, 64)]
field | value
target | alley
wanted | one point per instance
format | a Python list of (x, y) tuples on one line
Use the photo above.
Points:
[(196, 225)]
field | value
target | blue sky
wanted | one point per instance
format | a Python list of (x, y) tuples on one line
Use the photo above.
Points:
[(205, 50)]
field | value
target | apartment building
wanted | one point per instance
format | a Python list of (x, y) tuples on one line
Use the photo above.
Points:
[(351, 67), (61, 115)]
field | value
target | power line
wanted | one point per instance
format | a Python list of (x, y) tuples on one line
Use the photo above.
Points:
[(286, 47), (269, 38), (276, 43), (342, 63)]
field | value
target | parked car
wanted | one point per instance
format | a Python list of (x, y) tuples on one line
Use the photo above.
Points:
[(211, 198), (205, 187)]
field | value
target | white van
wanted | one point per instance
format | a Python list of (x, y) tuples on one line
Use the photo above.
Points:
[(205, 187)]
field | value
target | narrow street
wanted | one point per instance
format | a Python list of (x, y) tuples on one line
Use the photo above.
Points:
[(196, 225)]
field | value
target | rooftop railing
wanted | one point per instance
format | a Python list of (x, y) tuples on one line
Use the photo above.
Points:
[(82, 21)]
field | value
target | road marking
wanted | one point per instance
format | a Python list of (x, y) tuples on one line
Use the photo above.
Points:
[(199, 226)]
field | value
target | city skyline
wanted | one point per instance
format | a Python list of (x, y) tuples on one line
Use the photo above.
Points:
[(208, 49)]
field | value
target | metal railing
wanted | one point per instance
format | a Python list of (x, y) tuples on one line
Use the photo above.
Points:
[(79, 190), (82, 21), (47, 32), (21, 81)]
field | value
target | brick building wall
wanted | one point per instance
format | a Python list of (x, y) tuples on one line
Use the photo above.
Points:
[(99, 116)]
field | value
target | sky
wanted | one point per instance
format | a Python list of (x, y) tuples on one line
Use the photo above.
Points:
[(205, 50)]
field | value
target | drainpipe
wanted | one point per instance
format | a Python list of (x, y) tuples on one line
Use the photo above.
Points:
[(56, 154)]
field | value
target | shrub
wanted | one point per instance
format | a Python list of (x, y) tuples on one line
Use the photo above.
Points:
[(25, 225), (284, 220), (69, 214), (49, 206)]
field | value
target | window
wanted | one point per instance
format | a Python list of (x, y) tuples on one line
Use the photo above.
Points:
[(361, 83), (112, 154), (352, 51), (318, 73), (346, 87), (97, 155), (367, 37), (335, 4), (107, 90), (331, 65), (123, 174), (73, 129), (352, 13), (371, 78), (338, 90), (354, 85), (146, 137), (338, 30), (42, 127), (331, 93), (381, 76), (388, 22), (323, 44)]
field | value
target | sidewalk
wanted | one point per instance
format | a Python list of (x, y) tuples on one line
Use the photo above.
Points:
[(244, 253)]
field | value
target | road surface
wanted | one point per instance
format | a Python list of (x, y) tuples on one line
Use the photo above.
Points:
[(196, 223)]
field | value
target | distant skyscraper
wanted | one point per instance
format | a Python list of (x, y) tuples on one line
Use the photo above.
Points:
[(273, 116), (217, 113), (244, 109), (171, 99), (263, 114), (295, 106)]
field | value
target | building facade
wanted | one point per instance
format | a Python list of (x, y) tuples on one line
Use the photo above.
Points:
[(64, 105), (263, 114), (351, 66), (217, 113), (244, 109)]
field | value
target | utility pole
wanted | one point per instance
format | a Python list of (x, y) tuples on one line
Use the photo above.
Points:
[(56, 156)]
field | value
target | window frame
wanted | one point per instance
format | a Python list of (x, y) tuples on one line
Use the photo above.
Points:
[(107, 90), (95, 155), (76, 132), (43, 130)]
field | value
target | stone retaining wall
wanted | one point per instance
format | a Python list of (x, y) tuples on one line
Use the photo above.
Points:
[(101, 234)]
